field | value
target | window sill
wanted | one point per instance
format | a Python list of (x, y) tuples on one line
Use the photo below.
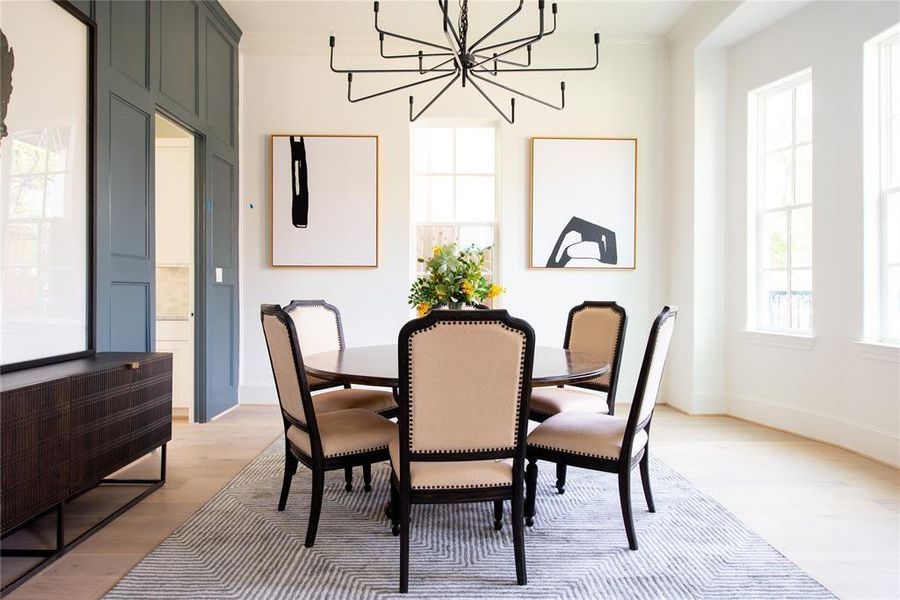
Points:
[(879, 351), (791, 341)]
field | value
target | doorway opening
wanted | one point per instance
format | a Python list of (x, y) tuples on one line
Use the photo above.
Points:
[(175, 194)]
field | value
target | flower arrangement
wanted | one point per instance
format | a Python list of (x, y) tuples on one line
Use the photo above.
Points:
[(452, 278)]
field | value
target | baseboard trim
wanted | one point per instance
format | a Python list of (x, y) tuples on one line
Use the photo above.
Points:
[(874, 443), (257, 394), (708, 403)]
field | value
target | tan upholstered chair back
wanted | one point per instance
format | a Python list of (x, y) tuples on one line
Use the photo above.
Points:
[(319, 329), (466, 382), (598, 328), (654, 363), (284, 362)]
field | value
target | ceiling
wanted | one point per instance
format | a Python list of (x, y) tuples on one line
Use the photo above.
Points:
[(614, 19)]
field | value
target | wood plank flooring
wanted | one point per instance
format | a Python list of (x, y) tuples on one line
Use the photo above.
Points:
[(834, 513)]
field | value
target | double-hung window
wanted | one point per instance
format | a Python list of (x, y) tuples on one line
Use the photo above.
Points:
[(888, 169), (780, 196), (454, 189)]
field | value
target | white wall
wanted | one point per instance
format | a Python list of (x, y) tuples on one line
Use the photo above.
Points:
[(286, 90), (837, 391), (696, 374)]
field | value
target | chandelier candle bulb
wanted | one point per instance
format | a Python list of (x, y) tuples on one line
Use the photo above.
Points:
[(459, 60)]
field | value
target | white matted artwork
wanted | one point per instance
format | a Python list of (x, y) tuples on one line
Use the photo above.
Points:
[(324, 200), (583, 203)]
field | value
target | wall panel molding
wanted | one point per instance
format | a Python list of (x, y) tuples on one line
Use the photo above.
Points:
[(220, 66), (130, 149), (179, 68), (129, 40)]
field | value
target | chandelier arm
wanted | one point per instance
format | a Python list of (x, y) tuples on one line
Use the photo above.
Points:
[(396, 89), (426, 54), (502, 61), (430, 102), (407, 38), (331, 64), (562, 90), (437, 67), (512, 103), (560, 69), (528, 38), (522, 45), (449, 29), (497, 26)]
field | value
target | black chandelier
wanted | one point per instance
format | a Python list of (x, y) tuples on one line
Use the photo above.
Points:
[(479, 61)]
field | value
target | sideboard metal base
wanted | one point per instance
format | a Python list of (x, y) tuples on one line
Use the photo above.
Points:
[(50, 555)]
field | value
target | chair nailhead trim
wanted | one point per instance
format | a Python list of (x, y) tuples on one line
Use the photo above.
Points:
[(334, 315), (521, 380), (461, 487), (568, 451), (356, 451), (592, 383)]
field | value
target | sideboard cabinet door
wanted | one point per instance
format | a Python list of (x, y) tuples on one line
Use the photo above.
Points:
[(151, 401), (34, 441), (101, 425)]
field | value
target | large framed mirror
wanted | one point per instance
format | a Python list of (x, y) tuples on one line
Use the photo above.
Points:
[(46, 184)]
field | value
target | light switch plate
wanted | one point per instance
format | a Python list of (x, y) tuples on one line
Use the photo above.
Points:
[(219, 275)]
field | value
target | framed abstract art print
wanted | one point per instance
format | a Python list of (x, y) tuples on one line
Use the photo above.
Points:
[(583, 203), (324, 206)]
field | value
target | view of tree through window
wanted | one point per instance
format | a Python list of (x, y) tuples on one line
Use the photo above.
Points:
[(782, 166)]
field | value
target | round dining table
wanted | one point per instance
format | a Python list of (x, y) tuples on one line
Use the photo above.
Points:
[(377, 365)]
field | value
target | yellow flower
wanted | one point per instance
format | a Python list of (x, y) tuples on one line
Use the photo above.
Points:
[(467, 288), (436, 251), (495, 291), (422, 308)]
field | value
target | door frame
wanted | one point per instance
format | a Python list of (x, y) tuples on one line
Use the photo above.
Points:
[(199, 317)]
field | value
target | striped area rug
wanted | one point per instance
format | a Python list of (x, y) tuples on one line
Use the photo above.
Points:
[(239, 546)]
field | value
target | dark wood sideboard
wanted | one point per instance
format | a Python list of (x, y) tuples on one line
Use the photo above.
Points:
[(65, 428)]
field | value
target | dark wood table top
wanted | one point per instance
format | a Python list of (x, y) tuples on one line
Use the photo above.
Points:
[(377, 365)]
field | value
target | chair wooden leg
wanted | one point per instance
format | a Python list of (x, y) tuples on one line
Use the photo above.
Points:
[(645, 480), (625, 499), (404, 545), (348, 479), (498, 514), (394, 510), (518, 527), (315, 507), (561, 478), (531, 473), (367, 477), (290, 468)]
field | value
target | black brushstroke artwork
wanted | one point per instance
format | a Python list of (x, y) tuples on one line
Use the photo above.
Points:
[(7, 61), (299, 183), (582, 239)]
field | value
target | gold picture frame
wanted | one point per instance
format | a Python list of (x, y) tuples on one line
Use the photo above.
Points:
[(377, 224), (633, 213)]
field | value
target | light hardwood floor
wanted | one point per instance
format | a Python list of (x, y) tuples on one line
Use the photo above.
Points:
[(834, 513)]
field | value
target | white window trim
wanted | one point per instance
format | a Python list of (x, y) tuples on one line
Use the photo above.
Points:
[(880, 352), (885, 155), (756, 151), (777, 339), (497, 250), (877, 156)]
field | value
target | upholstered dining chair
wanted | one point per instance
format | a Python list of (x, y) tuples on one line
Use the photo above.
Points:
[(608, 443), (465, 380), (322, 442), (597, 327), (320, 329)]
